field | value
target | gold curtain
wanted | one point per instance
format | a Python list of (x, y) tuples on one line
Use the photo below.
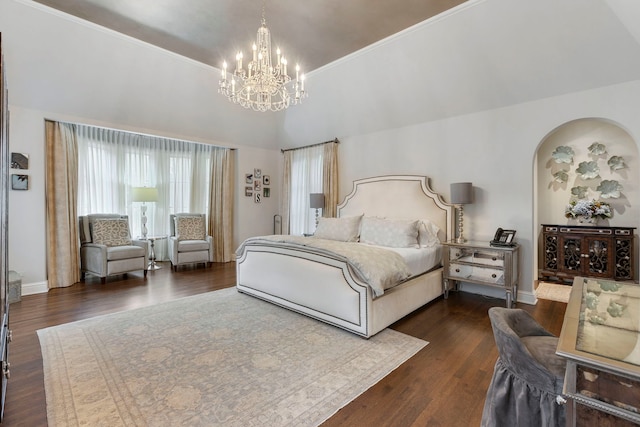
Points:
[(61, 190), (221, 204), (330, 179), (285, 200)]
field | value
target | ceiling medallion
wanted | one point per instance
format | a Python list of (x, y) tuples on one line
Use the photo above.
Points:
[(263, 86)]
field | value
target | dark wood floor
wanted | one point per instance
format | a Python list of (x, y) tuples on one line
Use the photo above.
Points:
[(442, 385)]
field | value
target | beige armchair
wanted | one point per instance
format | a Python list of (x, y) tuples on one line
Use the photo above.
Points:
[(188, 241), (106, 247)]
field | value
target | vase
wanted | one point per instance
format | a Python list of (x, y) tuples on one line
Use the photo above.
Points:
[(587, 220)]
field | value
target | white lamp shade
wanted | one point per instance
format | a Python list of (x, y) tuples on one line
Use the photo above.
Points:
[(145, 194), (316, 200), (461, 193)]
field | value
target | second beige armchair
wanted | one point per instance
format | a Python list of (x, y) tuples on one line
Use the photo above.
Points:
[(188, 240)]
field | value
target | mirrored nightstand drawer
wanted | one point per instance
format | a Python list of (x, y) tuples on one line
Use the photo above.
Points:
[(471, 255), (476, 273)]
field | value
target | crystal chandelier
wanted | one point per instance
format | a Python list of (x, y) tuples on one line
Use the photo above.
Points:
[(263, 85)]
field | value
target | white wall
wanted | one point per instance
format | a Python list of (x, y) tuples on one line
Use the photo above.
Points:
[(470, 95), (60, 68), (60, 64), (495, 150), (480, 56)]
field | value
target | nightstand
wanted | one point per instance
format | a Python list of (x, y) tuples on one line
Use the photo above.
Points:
[(483, 264)]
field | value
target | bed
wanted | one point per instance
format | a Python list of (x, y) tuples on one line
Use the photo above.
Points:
[(325, 285)]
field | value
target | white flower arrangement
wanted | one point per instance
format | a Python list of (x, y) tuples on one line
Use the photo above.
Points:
[(588, 209)]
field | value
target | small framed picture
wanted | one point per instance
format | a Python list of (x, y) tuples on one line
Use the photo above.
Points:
[(257, 185), (257, 173), (19, 161), (266, 192), (266, 180), (257, 197), (248, 178), (248, 191), (19, 182)]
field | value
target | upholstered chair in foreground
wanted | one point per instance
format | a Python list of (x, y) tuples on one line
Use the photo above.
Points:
[(188, 241), (106, 247), (526, 388)]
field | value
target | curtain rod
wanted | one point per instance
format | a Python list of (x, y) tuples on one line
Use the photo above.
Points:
[(141, 134), (312, 145)]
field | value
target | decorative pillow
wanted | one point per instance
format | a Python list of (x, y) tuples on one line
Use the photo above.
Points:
[(111, 232), (393, 233), (344, 229), (190, 227), (428, 233)]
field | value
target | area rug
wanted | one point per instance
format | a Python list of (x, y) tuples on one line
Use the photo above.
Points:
[(220, 358), (553, 292)]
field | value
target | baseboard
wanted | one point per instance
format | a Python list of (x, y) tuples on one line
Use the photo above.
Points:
[(35, 288)]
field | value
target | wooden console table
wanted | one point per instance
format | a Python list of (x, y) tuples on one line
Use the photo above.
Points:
[(600, 339), (604, 252)]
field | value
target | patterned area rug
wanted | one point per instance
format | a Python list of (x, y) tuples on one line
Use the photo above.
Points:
[(221, 358), (553, 291)]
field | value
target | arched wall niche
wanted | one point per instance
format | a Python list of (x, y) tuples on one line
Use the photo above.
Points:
[(553, 192)]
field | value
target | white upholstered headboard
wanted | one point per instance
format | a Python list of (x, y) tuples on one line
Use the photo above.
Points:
[(399, 196)]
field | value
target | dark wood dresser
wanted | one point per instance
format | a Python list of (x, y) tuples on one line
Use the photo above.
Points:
[(591, 251)]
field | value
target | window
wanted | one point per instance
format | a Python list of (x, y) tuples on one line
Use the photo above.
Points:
[(306, 178), (111, 163)]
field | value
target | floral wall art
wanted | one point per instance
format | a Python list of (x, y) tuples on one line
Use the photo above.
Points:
[(589, 192), (590, 166)]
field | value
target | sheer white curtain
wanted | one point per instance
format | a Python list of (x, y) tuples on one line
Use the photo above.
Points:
[(112, 162), (305, 178)]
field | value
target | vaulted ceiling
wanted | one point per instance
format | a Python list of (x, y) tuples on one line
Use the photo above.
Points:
[(312, 32), (479, 56)]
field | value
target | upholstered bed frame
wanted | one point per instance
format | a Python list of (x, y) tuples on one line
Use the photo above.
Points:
[(324, 288)]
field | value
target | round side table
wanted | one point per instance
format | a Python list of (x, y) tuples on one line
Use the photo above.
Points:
[(152, 252)]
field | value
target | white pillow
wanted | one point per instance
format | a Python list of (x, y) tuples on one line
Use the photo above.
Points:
[(346, 229), (393, 233), (428, 233)]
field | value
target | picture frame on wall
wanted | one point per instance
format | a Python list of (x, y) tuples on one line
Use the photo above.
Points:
[(19, 161), (257, 197), (266, 180), (257, 173), (248, 191), (257, 185), (19, 182), (266, 192), (248, 178)]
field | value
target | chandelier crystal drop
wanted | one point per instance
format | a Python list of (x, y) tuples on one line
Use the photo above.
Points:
[(263, 86)]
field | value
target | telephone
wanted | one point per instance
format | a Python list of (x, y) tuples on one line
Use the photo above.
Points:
[(503, 238)]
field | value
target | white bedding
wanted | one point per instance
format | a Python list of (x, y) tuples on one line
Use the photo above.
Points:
[(419, 260), (379, 270)]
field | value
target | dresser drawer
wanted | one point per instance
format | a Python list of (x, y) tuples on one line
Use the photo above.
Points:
[(476, 273), (475, 256)]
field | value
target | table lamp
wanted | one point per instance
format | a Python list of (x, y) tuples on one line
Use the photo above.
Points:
[(144, 195), (461, 194), (316, 201)]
